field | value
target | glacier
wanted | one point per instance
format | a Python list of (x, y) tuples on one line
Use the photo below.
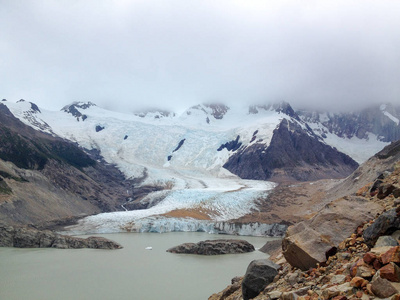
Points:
[(192, 175)]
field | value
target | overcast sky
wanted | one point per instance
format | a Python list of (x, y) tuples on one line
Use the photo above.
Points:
[(178, 53)]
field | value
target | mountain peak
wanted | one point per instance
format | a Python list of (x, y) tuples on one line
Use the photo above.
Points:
[(73, 109), (155, 113), (79, 104), (280, 107)]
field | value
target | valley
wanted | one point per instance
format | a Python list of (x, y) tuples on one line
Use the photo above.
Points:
[(204, 168)]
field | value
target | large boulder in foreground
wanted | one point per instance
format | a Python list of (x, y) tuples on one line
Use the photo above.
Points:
[(259, 274), (313, 241), (25, 237), (214, 247)]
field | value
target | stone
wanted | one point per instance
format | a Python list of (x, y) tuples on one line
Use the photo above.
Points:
[(271, 246), (377, 264), (396, 234), (369, 257), (259, 274), (365, 271), (330, 292), (236, 279), (214, 247), (385, 190), (382, 287), (274, 295), (293, 278), (230, 290), (338, 279), (380, 250), (355, 266), (345, 288), (392, 255), (386, 240), (313, 241), (390, 272), (388, 221), (344, 256), (358, 282)]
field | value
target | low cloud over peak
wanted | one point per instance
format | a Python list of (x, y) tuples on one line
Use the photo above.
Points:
[(177, 53)]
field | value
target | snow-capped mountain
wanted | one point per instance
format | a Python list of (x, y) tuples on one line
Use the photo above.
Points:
[(156, 143), (190, 161)]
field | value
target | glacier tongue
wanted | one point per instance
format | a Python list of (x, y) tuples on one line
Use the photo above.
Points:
[(163, 225)]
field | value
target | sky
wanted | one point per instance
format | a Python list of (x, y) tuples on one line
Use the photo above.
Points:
[(173, 54)]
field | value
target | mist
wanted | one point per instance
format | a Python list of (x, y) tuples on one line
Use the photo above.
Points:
[(172, 54)]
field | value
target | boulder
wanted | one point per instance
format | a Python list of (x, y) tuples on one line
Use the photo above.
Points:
[(386, 240), (392, 255), (386, 223), (214, 247), (390, 272), (382, 287), (259, 274), (26, 237), (313, 241), (271, 246)]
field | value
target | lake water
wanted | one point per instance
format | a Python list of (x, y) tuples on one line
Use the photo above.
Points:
[(129, 273)]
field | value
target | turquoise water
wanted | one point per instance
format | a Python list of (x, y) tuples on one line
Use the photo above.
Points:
[(129, 273)]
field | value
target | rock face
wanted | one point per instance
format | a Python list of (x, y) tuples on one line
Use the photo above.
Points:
[(293, 154), (214, 247), (379, 120), (259, 274), (386, 223), (313, 241), (24, 237)]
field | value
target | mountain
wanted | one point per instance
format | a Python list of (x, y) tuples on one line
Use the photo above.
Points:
[(208, 138), (45, 178), (195, 164)]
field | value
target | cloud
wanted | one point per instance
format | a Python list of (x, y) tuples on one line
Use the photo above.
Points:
[(177, 53)]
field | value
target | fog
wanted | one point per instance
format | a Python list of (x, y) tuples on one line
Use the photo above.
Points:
[(177, 53)]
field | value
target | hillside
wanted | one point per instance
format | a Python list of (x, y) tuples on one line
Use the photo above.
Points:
[(348, 250), (44, 178)]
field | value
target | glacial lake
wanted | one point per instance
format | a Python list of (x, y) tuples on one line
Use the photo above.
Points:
[(129, 273)]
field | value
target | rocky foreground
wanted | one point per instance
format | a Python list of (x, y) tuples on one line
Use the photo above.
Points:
[(214, 247), (25, 237), (349, 250)]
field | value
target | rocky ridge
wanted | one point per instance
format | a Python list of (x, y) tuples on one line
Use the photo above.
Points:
[(214, 247), (29, 237), (363, 265), (44, 178), (294, 154)]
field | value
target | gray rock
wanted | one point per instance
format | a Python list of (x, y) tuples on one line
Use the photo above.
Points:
[(259, 274), (386, 240), (396, 235), (25, 237), (214, 247), (385, 223), (382, 287), (313, 241), (271, 246)]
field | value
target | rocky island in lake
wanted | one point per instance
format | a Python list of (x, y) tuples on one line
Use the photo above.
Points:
[(214, 247)]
